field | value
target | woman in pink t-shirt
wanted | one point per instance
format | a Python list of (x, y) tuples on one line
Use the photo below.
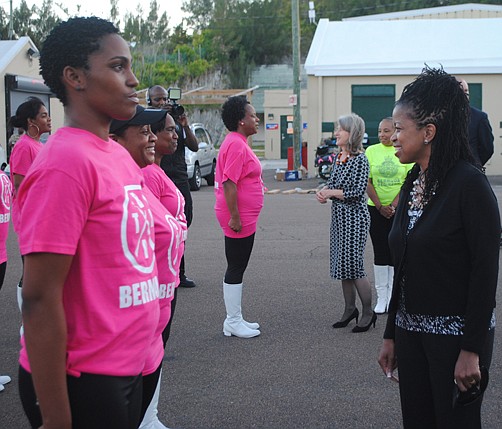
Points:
[(164, 188), (33, 119), (239, 199), (138, 139), (5, 204), (172, 199), (91, 287)]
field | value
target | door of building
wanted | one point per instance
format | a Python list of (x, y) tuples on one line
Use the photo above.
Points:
[(286, 134), (373, 103)]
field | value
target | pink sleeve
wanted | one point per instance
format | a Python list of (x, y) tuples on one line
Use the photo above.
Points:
[(54, 210), (21, 160), (234, 163), (153, 182)]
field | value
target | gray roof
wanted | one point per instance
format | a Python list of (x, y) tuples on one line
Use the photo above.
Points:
[(431, 11), (354, 48)]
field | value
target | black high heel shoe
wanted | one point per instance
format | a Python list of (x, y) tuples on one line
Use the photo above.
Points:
[(344, 323), (373, 320)]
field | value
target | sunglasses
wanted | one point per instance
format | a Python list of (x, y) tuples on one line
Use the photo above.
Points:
[(473, 394)]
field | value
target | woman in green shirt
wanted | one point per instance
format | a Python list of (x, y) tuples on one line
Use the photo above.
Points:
[(387, 175)]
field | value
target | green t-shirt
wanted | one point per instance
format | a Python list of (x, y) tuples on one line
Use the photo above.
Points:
[(386, 172)]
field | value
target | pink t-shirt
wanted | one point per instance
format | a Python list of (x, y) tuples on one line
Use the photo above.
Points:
[(166, 191), (23, 154), (83, 197), (5, 203), (168, 241), (238, 163)]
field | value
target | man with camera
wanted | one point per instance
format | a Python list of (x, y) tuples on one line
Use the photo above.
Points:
[(175, 165)]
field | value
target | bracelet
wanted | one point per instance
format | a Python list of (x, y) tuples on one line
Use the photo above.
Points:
[(379, 208)]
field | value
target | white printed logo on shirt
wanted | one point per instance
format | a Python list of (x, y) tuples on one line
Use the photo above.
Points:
[(137, 230), (6, 188)]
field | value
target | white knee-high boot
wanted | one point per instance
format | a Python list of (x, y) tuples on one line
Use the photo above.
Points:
[(19, 291), (151, 419), (390, 283), (234, 324), (250, 325), (381, 286)]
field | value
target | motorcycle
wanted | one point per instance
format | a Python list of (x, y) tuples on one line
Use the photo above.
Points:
[(326, 153), (325, 156)]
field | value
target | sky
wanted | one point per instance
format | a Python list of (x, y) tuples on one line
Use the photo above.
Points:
[(101, 8)]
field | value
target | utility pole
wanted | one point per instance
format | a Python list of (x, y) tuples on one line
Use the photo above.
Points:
[(297, 119), (10, 34)]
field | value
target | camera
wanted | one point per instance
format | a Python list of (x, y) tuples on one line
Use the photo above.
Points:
[(174, 94)]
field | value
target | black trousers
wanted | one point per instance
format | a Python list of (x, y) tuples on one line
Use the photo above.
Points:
[(3, 268), (96, 401), (167, 330), (149, 385), (237, 252), (379, 232), (426, 365), (184, 188)]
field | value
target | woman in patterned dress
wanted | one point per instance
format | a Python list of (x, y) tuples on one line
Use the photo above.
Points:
[(350, 221), (444, 244)]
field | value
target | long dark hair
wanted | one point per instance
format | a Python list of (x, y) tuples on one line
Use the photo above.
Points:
[(436, 97), (27, 110)]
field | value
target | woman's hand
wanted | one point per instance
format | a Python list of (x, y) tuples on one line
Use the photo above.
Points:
[(387, 211), (230, 192), (235, 224), (387, 358), (321, 196), (467, 371), (325, 194)]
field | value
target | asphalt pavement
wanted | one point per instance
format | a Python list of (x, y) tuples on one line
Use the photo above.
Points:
[(299, 373)]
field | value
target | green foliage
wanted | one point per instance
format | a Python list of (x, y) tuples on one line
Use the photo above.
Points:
[(35, 22), (198, 67), (229, 35)]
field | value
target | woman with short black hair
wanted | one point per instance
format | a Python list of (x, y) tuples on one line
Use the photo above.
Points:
[(90, 287), (239, 199)]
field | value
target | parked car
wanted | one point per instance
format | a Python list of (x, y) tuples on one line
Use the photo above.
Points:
[(201, 164), (3, 159)]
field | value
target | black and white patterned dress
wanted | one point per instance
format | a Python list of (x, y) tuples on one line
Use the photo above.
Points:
[(350, 219)]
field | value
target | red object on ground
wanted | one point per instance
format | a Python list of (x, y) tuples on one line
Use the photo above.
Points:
[(290, 157)]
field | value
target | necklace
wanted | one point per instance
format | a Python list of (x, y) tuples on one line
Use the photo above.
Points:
[(339, 159), (417, 201)]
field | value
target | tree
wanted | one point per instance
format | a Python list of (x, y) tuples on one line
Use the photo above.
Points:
[(44, 21)]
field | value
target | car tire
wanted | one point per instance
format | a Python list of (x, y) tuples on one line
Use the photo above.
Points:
[(196, 180), (210, 178)]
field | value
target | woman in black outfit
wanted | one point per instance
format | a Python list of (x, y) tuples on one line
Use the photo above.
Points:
[(445, 249)]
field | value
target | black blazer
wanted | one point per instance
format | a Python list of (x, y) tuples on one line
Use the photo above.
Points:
[(450, 258), (480, 136)]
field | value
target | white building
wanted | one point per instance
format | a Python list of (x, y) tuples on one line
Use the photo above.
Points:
[(19, 79), (361, 65)]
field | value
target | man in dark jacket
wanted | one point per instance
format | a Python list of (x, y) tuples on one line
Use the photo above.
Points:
[(480, 132)]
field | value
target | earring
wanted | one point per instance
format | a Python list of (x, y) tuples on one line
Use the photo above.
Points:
[(426, 141), (242, 123), (36, 135), (78, 88)]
